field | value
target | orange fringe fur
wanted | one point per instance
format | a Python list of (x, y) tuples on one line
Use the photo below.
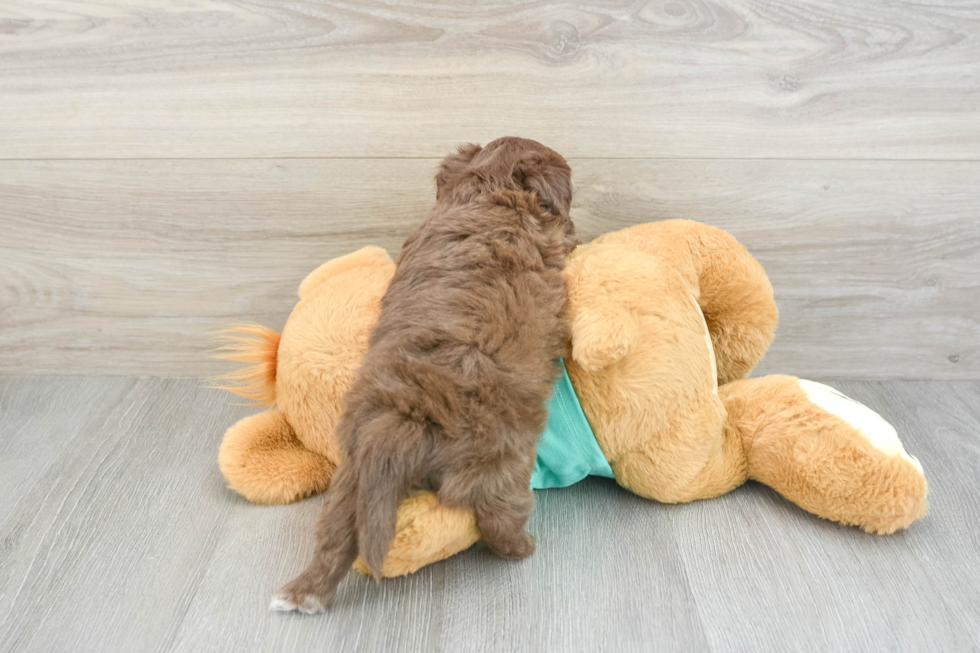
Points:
[(255, 344)]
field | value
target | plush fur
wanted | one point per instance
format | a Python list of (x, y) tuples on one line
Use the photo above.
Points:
[(667, 320), (291, 451), (450, 395)]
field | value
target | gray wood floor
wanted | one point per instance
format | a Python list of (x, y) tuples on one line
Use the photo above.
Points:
[(117, 534)]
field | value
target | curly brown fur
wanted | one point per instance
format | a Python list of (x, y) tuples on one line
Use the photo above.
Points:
[(450, 395)]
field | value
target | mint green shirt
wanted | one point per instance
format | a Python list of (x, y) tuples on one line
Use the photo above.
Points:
[(567, 450)]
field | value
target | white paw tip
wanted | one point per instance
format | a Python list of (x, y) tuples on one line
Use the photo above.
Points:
[(309, 605), (281, 604)]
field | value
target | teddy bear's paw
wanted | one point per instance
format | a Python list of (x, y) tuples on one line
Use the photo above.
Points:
[(870, 425), (593, 360), (596, 345)]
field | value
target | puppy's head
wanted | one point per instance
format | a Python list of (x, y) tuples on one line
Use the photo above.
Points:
[(508, 163)]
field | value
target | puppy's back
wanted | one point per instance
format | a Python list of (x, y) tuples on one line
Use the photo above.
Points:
[(450, 395)]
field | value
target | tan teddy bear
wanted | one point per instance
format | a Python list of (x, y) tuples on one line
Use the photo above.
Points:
[(668, 319)]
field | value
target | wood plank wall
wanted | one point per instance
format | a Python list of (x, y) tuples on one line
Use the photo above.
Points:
[(166, 168)]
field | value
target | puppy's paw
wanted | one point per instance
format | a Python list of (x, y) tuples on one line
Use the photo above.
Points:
[(307, 604), (299, 596), (516, 549)]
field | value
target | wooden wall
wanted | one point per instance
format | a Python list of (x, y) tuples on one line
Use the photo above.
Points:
[(167, 168)]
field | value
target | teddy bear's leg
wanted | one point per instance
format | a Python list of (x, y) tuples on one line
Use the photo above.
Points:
[(693, 455), (263, 461), (426, 532), (731, 287), (825, 452)]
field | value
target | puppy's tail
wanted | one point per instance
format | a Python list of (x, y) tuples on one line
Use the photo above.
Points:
[(254, 344), (383, 482), (363, 507)]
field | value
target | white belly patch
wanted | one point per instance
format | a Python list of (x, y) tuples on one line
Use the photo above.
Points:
[(868, 423)]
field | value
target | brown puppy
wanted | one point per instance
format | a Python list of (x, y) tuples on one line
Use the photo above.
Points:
[(450, 394)]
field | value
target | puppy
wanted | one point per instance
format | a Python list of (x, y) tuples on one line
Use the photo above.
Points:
[(451, 393)]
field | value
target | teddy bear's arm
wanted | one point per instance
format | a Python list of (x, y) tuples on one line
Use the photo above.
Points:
[(603, 336), (604, 326), (370, 256)]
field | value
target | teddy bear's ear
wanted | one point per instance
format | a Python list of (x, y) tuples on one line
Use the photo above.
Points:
[(549, 177), (369, 256), (452, 166)]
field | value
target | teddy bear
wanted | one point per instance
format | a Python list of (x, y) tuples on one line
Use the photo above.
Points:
[(667, 321)]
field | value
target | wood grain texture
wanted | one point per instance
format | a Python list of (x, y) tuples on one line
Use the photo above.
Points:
[(124, 267), (608, 575), (115, 530), (117, 534), (664, 78)]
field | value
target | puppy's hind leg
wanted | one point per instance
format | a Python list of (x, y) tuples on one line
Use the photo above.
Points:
[(502, 507), (336, 549)]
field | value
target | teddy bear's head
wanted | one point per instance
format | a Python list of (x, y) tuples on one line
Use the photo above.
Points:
[(324, 341)]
